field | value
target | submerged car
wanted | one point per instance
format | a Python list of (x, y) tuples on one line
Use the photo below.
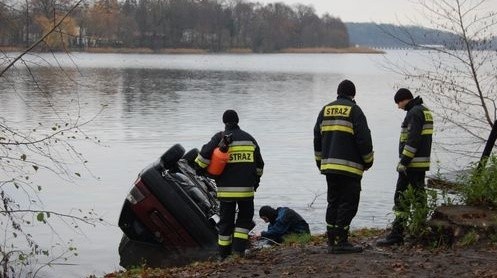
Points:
[(169, 216)]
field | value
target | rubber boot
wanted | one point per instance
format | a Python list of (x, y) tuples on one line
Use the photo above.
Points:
[(239, 247), (394, 238), (389, 240), (224, 252), (332, 239), (343, 246)]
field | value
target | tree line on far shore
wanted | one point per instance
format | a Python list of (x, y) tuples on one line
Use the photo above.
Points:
[(215, 25)]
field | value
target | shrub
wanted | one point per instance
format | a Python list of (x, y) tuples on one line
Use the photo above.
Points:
[(415, 207), (479, 188)]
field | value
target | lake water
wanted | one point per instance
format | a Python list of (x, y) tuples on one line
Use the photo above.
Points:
[(154, 101)]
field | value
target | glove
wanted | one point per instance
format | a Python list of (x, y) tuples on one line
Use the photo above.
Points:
[(367, 166), (401, 168)]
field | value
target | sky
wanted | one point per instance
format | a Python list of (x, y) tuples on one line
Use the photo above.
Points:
[(405, 12)]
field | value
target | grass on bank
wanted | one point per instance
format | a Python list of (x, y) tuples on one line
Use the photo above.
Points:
[(302, 240)]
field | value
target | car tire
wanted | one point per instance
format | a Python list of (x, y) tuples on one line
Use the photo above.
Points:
[(191, 155)]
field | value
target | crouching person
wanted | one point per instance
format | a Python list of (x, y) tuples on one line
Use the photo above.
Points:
[(282, 221)]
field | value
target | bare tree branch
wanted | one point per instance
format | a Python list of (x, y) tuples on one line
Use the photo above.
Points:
[(40, 40)]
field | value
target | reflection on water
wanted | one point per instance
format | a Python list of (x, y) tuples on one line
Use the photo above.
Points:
[(154, 101)]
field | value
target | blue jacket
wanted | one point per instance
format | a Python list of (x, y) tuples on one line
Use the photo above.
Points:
[(287, 222)]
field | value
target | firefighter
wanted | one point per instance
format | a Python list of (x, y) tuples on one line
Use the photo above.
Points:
[(414, 153), (343, 151), (235, 185)]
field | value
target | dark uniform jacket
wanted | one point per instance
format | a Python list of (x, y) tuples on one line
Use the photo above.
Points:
[(243, 171), (416, 136), (342, 139), (287, 222)]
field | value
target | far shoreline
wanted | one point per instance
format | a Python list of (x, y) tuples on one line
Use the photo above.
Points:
[(308, 50)]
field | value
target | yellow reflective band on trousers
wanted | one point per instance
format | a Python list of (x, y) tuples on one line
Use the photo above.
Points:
[(241, 233), (336, 226), (224, 240), (235, 192)]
